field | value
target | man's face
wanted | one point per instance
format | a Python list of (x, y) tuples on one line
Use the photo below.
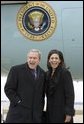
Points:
[(33, 60)]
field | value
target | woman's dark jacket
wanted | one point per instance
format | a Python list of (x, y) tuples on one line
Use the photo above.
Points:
[(60, 95)]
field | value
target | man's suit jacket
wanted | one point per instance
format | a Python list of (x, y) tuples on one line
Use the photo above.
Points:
[(21, 86)]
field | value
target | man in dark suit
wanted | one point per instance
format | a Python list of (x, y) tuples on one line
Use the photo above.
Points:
[(26, 91)]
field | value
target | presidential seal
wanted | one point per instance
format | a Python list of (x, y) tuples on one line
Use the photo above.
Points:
[(36, 20)]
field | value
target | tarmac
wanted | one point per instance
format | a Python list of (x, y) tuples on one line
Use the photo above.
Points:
[(78, 119)]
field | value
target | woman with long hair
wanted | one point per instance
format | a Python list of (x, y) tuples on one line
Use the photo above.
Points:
[(59, 90)]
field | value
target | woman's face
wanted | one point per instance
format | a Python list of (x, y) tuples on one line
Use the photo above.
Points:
[(54, 60)]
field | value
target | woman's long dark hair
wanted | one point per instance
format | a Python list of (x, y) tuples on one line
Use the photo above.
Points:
[(59, 53), (54, 80)]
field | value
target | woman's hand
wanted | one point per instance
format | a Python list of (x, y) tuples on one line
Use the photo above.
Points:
[(67, 118)]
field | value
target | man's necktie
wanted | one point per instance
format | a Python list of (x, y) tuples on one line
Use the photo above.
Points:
[(35, 74)]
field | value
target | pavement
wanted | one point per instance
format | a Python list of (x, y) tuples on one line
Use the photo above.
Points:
[(78, 119)]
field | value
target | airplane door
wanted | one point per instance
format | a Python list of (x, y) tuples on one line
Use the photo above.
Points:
[(72, 22)]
